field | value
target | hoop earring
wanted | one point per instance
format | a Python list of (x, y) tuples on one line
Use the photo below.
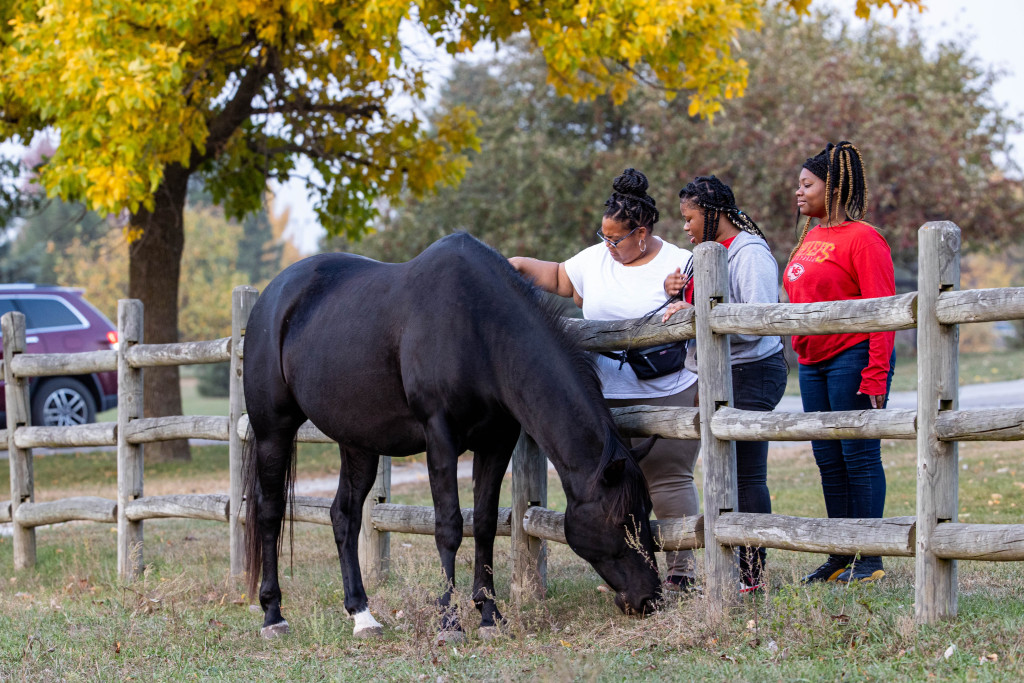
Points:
[(643, 245)]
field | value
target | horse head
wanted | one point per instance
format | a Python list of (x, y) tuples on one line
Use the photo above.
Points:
[(609, 526)]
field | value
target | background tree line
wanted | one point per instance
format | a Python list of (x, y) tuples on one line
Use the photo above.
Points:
[(934, 140)]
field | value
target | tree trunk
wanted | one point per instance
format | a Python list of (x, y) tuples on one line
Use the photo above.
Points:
[(154, 270)]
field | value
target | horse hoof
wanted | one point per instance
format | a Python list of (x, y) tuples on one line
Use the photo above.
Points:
[(491, 632), (369, 632), (451, 637), (274, 630)]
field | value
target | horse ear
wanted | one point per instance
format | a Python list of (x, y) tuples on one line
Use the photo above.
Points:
[(613, 470), (640, 452)]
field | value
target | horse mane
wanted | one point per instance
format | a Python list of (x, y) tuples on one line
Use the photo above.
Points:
[(634, 485), (550, 312)]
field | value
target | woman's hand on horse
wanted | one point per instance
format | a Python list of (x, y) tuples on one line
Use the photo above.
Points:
[(673, 308)]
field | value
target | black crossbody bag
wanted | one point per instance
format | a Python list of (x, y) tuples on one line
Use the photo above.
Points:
[(655, 361)]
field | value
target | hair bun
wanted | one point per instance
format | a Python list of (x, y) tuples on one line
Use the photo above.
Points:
[(631, 182)]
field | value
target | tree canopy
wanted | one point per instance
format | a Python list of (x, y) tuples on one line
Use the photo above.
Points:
[(145, 94), (933, 137)]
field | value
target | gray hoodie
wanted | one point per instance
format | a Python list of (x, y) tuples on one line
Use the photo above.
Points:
[(753, 278)]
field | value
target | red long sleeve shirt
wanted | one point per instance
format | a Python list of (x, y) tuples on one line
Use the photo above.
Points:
[(849, 261)]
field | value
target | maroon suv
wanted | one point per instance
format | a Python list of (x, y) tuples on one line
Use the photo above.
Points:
[(60, 320)]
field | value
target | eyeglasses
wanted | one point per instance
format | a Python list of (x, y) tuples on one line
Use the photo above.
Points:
[(615, 243)]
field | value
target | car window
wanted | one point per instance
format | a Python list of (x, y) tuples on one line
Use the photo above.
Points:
[(6, 306), (48, 313)]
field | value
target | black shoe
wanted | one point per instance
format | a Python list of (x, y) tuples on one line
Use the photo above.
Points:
[(830, 571), (864, 570)]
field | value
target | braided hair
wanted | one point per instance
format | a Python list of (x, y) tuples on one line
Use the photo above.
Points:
[(630, 202), (716, 199), (842, 168)]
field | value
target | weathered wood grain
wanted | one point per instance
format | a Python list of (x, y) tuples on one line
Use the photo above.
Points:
[(985, 424), (94, 434), (893, 536), (180, 353), (414, 519), (49, 364), (529, 489), (747, 425), (374, 544), (211, 506), (150, 429), (669, 534), (980, 305), (242, 300), (19, 460), (667, 422), (714, 388), (613, 335), (129, 455), (824, 317), (87, 508), (935, 578), (997, 542)]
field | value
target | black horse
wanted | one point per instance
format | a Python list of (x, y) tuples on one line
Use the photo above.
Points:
[(448, 352)]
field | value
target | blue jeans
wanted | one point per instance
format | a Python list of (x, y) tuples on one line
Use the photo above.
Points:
[(755, 386), (852, 477)]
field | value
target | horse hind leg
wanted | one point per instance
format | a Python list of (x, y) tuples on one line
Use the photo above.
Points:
[(358, 472), (274, 453)]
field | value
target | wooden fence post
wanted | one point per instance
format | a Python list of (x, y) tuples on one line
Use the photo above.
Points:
[(375, 545), (20, 459), (243, 298), (529, 488), (129, 456), (935, 582), (711, 287)]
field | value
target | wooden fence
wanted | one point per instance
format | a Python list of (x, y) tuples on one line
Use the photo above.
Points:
[(934, 536)]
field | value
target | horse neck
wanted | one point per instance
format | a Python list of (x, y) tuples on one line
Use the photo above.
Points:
[(563, 416)]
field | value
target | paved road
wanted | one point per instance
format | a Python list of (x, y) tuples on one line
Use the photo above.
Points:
[(992, 395)]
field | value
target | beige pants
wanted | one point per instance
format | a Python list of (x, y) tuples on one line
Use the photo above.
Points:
[(668, 469)]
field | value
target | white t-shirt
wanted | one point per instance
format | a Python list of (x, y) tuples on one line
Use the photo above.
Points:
[(612, 291)]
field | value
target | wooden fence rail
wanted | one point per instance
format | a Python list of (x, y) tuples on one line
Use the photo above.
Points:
[(933, 537)]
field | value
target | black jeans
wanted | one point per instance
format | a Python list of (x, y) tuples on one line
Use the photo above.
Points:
[(755, 386)]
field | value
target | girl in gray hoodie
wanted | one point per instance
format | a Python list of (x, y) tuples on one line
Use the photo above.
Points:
[(758, 365)]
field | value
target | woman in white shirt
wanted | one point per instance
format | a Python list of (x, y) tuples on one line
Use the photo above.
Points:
[(622, 278)]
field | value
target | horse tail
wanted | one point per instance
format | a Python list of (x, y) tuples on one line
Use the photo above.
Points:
[(253, 495)]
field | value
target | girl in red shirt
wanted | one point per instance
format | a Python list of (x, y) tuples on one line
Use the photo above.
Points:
[(842, 258)]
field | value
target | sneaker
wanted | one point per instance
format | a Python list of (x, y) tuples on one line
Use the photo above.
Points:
[(865, 570), (756, 587), (830, 571), (680, 584)]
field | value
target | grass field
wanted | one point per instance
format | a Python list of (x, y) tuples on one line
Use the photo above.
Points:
[(71, 619)]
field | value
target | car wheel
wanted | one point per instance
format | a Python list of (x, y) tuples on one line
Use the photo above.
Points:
[(62, 402)]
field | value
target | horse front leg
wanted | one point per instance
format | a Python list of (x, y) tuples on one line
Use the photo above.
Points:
[(358, 472), (489, 467), (442, 466)]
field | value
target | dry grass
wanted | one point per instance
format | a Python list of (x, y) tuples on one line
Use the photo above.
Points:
[(71, 619)]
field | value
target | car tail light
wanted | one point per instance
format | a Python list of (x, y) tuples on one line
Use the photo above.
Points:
[(112, 338)]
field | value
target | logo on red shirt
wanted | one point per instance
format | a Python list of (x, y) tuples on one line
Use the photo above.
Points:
[(794, 272)]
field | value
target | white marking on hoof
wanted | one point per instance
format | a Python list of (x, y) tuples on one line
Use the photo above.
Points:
[(451, 637), (274, 630), (366, 626)]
